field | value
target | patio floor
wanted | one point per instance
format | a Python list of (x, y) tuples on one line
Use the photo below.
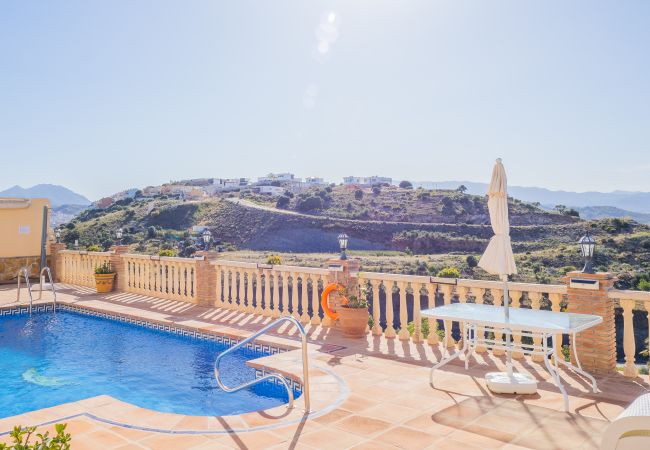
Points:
[(371, 393)]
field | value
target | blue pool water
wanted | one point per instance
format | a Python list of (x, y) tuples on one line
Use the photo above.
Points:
[(48, 359)]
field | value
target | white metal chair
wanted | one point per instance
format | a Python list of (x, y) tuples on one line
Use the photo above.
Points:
[(631, 429)]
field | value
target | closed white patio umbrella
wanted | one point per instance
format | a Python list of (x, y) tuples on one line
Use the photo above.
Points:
[(499, 260)]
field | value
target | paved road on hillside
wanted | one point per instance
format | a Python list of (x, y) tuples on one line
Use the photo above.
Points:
[(249, 204)]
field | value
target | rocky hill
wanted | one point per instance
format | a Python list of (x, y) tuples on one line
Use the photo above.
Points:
[(544, 242), (394, 204)]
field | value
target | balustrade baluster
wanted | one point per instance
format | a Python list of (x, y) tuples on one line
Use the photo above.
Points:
[(294, 296), (276, 295), (556, 300), (535, 303), (250, 274), (258, 293), (516, 303), (267, 311), (629, 344), (417, 317), (497, 297), (446, 291), (304, 301), (432, 339), (389, 332), (315, 301), (376, 309)]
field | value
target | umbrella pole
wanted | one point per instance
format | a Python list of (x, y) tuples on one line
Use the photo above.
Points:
[(506, 305)]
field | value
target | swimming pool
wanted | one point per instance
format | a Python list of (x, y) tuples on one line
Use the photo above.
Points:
[(48, 359)]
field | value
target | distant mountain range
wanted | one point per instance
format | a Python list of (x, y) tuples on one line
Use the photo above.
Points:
[(632, 202), (58, 195)]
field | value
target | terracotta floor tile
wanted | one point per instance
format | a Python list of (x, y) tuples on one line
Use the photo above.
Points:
[(408, 438), (332, 417), (333, 439), (393, 413), (374, 444), (356, 403), (105, 438), (362, 425), (163, 441)]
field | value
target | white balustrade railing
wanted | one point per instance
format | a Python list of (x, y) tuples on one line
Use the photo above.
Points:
[(78, 267), (396, 301), (160, 276), (272, 291)]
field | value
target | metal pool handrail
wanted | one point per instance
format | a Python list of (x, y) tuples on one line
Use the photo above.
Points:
[(23, 270), (283, 380), (49, 276)]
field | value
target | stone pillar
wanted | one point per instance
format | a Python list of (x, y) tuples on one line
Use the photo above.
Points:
[(588, 294), (346, 277), (56, 259), (206, 278), (119, 266)]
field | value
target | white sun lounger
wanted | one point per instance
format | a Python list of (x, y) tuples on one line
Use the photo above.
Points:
[(631, 429)]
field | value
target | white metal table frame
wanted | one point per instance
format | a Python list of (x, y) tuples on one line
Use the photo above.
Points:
[(523, 323)]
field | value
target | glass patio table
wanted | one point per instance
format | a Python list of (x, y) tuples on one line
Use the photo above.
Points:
[(538, 325)]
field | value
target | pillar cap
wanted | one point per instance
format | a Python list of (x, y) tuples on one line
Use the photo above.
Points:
[(590, 276)]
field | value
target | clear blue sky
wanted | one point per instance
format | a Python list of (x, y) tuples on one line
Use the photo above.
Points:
[(104, 95)]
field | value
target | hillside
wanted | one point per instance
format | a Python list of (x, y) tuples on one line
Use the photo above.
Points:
[(544, 250), (394, 204), (58, 195)]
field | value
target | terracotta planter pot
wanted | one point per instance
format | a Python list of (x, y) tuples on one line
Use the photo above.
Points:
[(104, 282), (353, 321)]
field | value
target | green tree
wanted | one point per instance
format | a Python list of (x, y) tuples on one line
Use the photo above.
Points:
[(358, 194), (406, 184), (462, 189)]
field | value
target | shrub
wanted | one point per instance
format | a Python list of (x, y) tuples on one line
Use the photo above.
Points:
[(310, 204), (94, 248), (358, 194), (644, 285), (376, 190), (151, 232), (167, 252), (406, 184), (472, 262), (274, 260), (283, 202), (449, 272), (104, 269), (424, 328), (21, 437)]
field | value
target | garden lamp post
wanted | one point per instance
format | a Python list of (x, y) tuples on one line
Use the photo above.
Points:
[(207, 237), (587, 245), (343, 243), (57, 235), (118, 234)]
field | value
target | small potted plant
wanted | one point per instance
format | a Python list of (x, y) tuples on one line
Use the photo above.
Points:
[(104, 278), (353, 313)]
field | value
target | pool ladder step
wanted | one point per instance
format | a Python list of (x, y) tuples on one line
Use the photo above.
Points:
[(24, 272), (269, 376)]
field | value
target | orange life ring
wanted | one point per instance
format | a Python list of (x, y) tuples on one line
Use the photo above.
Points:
[(325, 296)]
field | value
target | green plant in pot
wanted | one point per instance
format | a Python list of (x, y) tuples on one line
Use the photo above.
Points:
[(104, 278), (353, 312)]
